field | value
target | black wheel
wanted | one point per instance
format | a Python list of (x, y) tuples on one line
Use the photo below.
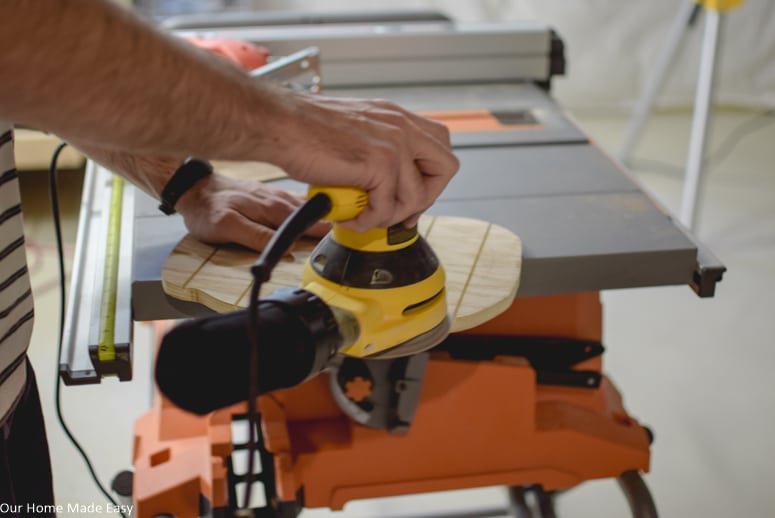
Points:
[(122, 483)]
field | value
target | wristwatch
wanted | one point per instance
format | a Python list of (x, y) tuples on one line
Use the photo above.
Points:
[(181, 181)]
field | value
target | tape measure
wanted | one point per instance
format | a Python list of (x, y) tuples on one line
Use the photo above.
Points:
[(107, 345)]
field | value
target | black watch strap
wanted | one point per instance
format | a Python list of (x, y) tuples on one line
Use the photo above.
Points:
[(182, 180)]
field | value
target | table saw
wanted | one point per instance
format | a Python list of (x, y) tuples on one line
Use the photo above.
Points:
[(585, 223)]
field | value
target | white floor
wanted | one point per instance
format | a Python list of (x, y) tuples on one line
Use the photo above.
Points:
[(698, 371)]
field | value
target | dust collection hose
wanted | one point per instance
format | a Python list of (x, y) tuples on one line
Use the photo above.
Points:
[(201, 364)]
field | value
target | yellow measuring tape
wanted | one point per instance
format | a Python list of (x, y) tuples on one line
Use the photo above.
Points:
[(107, 345)]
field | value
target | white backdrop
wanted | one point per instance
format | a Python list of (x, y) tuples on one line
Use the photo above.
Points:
[(611, 45)]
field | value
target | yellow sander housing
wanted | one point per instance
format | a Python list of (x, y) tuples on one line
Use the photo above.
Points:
[(386, 287)]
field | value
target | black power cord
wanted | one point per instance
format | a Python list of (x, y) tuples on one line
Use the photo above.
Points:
[(292, 229), (53, 193)]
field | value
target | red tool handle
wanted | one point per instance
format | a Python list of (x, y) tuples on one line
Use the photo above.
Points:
[(242, 53)]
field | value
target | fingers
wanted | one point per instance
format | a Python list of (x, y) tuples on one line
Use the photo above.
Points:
[(394, 193), (281, 204), (424, 168), (401, 159), (425, 165), (262, 207), (243, 212), (412, 220), (224, 225), (251, 234), (270, 207)]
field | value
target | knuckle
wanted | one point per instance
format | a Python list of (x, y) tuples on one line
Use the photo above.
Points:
[(278, 210), (260, 240), (395, 135), (454, 165), (225, 218), (443, 131), (402, 121), (388, 111), (235, 200), (276, 204), (391, 117), (386, 104), (386, 153)]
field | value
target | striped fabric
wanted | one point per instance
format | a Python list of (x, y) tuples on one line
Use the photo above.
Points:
[(16, 308)]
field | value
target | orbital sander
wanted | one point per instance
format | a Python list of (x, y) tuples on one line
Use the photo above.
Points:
[(377, 294)]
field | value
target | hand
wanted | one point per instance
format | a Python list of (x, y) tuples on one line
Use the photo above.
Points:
[(219, 210), (402, 160)]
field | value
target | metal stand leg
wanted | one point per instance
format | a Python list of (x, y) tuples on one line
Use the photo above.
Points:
[(685, 19), (638, 495), (519, 507), (545, 503), (702, 106), (541, 505)]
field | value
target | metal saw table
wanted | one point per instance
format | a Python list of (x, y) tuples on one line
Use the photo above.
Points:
[(586, 225), (598, 229)]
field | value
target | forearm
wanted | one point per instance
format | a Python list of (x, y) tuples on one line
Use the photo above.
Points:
[(91, 70), (216, 209), (150, 173), (97, 75)]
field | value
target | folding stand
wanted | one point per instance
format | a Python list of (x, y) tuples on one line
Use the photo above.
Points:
[(686, 18)]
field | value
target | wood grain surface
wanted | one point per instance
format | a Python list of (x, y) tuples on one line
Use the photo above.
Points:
[(482, 262), (260, 171)]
